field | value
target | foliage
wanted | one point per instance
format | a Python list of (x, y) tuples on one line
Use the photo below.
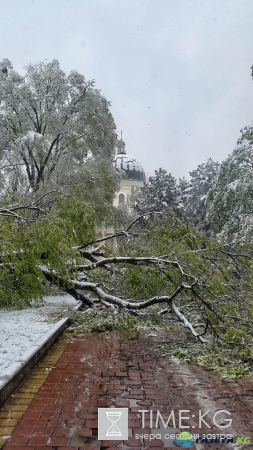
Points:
[(19, 274), (56, 132), (193, 194), (158, 193), (230, 362), (230, 200), (104, 321), (202, 283), (50, 240), (186, 199), (167, 276)]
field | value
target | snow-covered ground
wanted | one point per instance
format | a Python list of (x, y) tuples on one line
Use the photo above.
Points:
[(19, 330)]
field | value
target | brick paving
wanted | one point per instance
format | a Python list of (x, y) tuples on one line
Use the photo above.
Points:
[(57, 406)]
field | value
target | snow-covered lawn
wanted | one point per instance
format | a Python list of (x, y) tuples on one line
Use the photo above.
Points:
[(19, 330)]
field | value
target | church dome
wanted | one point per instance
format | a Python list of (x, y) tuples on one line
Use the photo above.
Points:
[(132, 168)]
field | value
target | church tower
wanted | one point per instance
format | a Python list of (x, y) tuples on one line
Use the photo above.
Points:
[(133, 172)]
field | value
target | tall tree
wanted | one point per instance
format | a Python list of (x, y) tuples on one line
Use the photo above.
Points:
[(230, 200), (193, 194), (52, 126)]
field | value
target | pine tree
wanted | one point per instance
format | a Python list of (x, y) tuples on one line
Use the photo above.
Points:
[(159, 193), (193, 194)]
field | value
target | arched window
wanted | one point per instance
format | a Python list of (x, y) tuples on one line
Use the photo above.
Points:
[(121, 199)]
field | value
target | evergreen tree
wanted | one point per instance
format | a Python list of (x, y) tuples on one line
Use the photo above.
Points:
[(230, 201), (158, 193), (193, 194)]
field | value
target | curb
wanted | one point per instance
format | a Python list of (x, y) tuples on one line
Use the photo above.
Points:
[(20, 369)]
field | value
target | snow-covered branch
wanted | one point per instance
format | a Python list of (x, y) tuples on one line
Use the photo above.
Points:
[(186, 323)]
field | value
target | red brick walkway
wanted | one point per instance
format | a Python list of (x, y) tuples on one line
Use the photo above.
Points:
[(102, 370), (94, 371)]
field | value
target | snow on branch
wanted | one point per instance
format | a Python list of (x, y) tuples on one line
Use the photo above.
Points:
[(186, 323), (35, 206)]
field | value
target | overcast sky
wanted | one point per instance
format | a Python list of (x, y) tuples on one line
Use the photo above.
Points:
[(177, 72)]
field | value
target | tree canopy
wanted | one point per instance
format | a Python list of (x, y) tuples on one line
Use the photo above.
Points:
[(56, 130), (42, 232), (230, 200)]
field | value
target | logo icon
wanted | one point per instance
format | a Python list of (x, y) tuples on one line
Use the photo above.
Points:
[(184, 439), (113, 416), (112, 424)]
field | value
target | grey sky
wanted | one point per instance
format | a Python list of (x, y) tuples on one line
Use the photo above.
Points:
[(176, 71)]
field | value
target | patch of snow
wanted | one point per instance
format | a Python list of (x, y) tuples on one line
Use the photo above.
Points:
[(21, 332), (31, 135), (233, 185)]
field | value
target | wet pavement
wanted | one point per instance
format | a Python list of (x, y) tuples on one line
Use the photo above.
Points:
[(56, 407)]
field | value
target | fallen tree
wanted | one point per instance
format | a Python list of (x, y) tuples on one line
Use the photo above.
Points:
[(169, 269)]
